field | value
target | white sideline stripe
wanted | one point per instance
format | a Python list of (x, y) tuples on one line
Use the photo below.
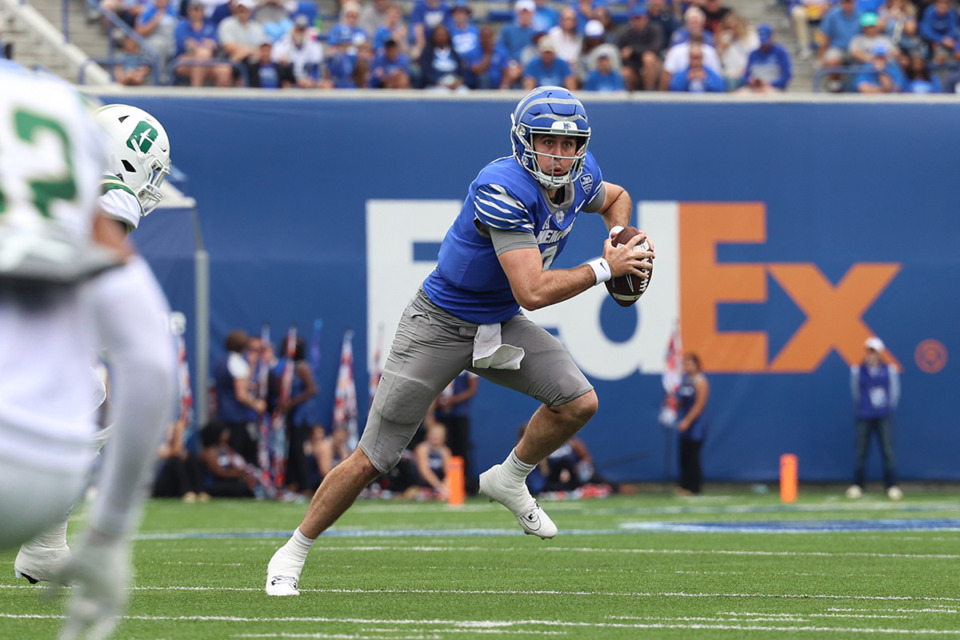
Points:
[(731, 552), (473, 625), (550, 592)]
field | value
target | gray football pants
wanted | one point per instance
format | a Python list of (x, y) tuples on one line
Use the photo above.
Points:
[(431, 348)]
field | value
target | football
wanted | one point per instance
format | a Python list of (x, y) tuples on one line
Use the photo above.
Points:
[(626, 290)]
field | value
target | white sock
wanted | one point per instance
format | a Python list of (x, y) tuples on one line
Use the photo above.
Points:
[(516, 468), (54, 538), (298, 546)]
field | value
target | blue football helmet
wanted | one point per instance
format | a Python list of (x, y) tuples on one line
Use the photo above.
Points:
[(549, 111)]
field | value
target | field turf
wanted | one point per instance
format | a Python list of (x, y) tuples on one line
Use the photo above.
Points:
[(724, 565)]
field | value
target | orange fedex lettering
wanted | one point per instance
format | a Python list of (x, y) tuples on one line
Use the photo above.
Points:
[(834, 313)]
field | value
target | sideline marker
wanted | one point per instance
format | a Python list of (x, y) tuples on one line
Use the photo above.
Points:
[(456, 488), (788, 477)]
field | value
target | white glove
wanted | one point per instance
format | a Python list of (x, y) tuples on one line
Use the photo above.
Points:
[(100, 573), (614, 232)]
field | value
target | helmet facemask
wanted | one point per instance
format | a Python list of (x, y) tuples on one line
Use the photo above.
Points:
[(524, 136), (149, 193)]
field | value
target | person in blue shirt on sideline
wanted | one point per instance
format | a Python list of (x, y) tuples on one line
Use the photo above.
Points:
[(692, 424), (882, 75), (876, 393), (697, 78), (768, 67), (494, 260)]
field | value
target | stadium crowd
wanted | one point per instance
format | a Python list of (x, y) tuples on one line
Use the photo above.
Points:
[(867, 46)]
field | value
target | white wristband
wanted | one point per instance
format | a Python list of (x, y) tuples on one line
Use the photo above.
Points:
[(601, 269), (614, 232)]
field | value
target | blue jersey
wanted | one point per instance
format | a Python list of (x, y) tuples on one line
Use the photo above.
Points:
[(469, 281), (686, 396)]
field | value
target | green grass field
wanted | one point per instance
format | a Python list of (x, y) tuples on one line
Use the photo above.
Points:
[(735, 565)]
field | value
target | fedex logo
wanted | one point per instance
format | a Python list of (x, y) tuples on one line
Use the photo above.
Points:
[(834, 312), (690, 284)]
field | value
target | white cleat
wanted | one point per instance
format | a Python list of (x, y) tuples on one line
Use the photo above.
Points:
[(37, 562), (516, 497), (854, 492), (283, 575), (894, 493)]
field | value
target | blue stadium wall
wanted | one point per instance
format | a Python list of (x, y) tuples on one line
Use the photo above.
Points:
[(790, 231)]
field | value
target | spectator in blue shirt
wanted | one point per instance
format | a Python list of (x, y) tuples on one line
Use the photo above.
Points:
[(267, 74), (547, 69), (545, 17), (768, 67), (350, 17), (697, 78), (491, 67), (440, 66), (391, 69), (604, 78), (393, 28), (339, 66), (881, 75), (517, 35), (919, 79), (659, 12), (196, 48), (938, 27), (425, 17), (837, 29), (131, 68), (694, 23), (463, 32)]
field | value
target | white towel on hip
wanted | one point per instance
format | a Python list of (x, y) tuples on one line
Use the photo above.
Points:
[(489, 352)]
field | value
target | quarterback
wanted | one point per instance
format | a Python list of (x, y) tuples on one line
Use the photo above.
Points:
[(495, 259)]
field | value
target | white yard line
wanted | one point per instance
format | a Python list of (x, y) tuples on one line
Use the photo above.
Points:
[(475, 625), (551, 592)]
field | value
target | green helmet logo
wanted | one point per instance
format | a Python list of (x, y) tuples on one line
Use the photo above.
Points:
[(142, 137)]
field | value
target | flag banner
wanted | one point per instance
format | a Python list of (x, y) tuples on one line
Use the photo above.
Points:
[(345, 400), (278, 434), (376, 366), (672, 374), (183, 381), (261, 376)]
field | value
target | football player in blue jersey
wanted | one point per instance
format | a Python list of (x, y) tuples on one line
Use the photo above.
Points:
[(495, 259)]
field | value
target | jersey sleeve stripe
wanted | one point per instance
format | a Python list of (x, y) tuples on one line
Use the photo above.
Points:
[(497, 208)]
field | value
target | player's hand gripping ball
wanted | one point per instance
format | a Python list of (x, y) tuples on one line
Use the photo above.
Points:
[(627, 289)]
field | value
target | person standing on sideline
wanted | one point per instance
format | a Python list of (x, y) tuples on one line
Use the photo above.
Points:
[(692, 424), (70, 284), (237, 406), (876, 393), (495, 259)]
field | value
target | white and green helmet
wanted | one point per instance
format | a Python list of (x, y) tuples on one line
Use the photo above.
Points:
[(139, 151)]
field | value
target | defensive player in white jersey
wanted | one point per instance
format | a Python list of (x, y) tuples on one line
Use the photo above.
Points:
[(494, 259), (69, 284), (138, 161)]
